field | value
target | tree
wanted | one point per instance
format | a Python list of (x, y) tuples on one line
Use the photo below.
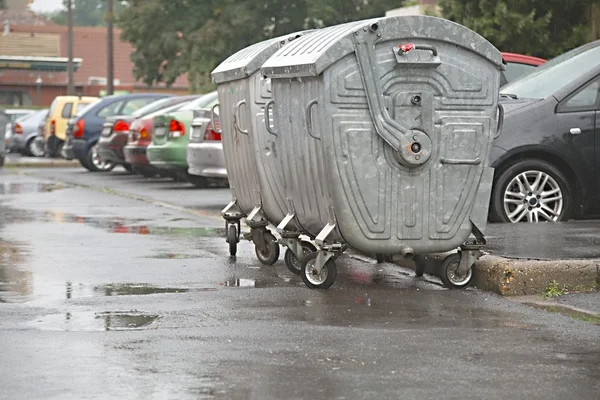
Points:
[(86, 12), (173, 37), (544, 28)]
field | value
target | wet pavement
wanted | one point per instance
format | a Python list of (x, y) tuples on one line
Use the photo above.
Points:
[(108, 296)]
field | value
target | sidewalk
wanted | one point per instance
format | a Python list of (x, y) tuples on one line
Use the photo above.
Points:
[(532, 259), (19, 161)]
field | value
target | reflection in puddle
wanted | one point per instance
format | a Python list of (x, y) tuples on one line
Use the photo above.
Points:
[(240, 282), (112, 225), (135, 290), (92, 321), (13, 281), (567, 311), (30, 187)]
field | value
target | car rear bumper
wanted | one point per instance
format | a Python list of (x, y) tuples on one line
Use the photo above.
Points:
[(206, 159), (52, 144), (136, 154), (78, 149), (17, 142), (167, 156), (111, 148)]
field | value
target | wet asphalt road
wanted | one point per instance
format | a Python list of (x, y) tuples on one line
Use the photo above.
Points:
[(107, 293)]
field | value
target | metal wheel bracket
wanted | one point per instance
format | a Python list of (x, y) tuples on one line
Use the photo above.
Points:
[(258, 237), (231, 210), (256, 215), (295, 246), (468, 256), (322, 257), (285, 222)]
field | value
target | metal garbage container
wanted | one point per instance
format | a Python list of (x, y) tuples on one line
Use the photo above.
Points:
[(243, 93), (4, 121), (404, 110)]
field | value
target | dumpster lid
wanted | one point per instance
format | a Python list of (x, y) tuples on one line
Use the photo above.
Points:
[(313, 53), (248, 60)]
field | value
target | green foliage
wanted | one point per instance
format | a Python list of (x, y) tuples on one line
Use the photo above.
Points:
[(544, 28), (553, 290), (86, 12), (2, 4), (173, 37)]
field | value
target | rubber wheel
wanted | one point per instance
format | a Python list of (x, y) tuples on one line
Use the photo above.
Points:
[(32, 148), (128, 167), (270, 254), (232, 239), (322, 281), (292, 263), (448, 276), (420, 264), (85, 165), (497, 209), (94, 164)]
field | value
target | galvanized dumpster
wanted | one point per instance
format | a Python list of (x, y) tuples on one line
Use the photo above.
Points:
[(401, 112), (243, 92)]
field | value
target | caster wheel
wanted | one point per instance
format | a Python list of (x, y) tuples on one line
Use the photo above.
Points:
[(292, 263), (420, 264), (270, 254), (313, 280), (380, 258), (449, 276), (232, 239)]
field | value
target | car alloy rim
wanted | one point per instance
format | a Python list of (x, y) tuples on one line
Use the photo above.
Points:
[(533, 196), (98, 162), (313, 276), (37, 147)]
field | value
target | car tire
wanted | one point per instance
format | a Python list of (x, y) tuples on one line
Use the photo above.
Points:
[(31, 150), (518, 197), (93, 164)]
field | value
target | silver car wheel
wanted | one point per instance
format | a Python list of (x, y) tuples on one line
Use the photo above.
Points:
[(98, 162), (36, 147), (533, 196)]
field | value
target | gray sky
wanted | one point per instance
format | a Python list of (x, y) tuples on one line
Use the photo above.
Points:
[(46, 5)]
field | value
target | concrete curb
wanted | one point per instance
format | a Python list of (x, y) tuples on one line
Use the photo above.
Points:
[(516, 277), (43, 164)]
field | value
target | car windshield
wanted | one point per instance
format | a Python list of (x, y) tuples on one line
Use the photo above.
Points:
[(549, 78), (201, 102), (33, 116), (167, 110)]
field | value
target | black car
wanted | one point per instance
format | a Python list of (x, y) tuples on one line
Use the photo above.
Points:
[(546, 158)]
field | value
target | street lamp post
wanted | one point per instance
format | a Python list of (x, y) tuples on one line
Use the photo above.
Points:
[(109, 26), (71, 84)]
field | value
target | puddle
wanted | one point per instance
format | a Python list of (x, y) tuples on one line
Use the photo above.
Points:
[(97, 321), (567, 311), (18, 286), (112, 225), (30, 187)]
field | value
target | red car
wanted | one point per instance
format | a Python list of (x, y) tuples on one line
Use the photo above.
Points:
[(518, 65)]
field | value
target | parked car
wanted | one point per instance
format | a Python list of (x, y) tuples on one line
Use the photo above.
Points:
[(61, 110), (84, 131), (115, 130), (140, 136), (517, 66), (25, 134), (205, 156), (546, 155), (168, 149), (13, 114)]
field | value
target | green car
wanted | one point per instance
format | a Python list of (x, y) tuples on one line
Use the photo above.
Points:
[(171, 135)]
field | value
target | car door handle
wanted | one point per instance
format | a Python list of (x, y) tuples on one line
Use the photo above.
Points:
[(575, 131)]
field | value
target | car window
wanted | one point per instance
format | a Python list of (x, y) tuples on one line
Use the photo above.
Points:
[(66, 111), (82, 108), (585, 99), (549, 78), (135, 104), (110, 109), (516, 70), (201, 102), (152, 107)]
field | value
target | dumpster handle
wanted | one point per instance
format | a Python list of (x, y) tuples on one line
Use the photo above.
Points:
[(212, 118), (500, 120), (309, 126), (268, 118), (408, 47), (237, 119)]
